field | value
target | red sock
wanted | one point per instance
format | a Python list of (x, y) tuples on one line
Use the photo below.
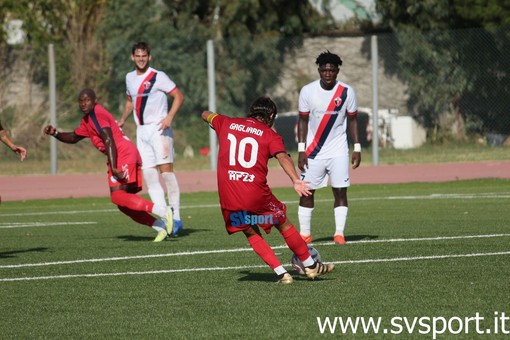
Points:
[(131, 201), (141, 217), (263, 250), (296, 243)]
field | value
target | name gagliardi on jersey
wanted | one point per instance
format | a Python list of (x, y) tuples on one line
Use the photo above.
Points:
[(248, 129), (240, 176)]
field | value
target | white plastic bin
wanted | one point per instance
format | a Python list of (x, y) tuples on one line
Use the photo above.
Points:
[(407, 133)]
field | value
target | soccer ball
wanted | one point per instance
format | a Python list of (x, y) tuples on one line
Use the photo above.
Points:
[(298, 266)]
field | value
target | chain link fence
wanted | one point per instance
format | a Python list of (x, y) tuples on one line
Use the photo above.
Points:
[(451, 84)]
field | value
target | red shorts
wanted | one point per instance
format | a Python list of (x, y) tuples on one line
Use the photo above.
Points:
[(133, 176), (274, 213)]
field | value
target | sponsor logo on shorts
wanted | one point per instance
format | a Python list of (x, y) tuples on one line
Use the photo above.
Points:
[(243, 217)]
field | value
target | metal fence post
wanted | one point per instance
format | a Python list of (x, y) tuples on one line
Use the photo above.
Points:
[(53, 106), (375, 102), (212, 101)]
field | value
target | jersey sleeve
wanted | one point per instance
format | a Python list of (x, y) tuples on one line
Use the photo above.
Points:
[(351, 104), (303, 105), (276, 145), (128, 82), (216, 121), (165, 83), (81, 130), (104, 118)]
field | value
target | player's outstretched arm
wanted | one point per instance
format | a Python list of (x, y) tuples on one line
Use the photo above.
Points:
[(301, 187), (208, 116), (64, 137), (19, 150)]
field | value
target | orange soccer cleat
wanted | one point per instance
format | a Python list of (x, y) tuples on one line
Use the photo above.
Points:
[(307, 239), (339, 239)]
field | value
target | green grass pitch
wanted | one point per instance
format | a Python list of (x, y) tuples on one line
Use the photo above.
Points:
[(78, 268)]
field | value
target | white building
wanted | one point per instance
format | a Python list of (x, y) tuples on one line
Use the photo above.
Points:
[(344, 10)]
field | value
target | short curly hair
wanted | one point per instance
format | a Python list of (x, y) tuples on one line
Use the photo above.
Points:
[(141, 45), (328, 58), (88, 92)]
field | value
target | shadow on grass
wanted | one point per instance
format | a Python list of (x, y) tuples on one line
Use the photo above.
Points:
[(350, 238), (182, 233), (13, 253), (271, 277), (261, 277)]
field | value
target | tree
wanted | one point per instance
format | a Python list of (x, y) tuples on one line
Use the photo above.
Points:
[(452, 56), (250, 39), (71, 27)]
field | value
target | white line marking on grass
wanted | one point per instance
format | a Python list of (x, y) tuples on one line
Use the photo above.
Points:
[(70, 212), (416, 258), (438, 238), (97, 211), (168, 271), (436, 196), (236, 250), (40, 224), (420, 197), (185, 253), (165, 271), (215, 205)]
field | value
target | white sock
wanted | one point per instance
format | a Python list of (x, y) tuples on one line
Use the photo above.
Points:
[(305, 220), (154, 187), (174, 194), (159, 225), (308, 262), (159, 210), (340, 219), (280, 270)]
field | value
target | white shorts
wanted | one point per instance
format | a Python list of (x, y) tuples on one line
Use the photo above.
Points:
[(156, 147), (320, 170)]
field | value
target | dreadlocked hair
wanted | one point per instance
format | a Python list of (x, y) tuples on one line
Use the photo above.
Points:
[(263, 108), (328, 58)]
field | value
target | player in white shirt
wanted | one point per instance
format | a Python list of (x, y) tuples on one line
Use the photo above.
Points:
[(147, 98), (327, 108)]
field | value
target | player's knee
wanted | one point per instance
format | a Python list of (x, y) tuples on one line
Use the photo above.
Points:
[(306, 201), (117, 197)]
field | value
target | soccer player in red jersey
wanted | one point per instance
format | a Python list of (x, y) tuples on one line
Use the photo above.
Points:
[(124, 163), (247, 202)]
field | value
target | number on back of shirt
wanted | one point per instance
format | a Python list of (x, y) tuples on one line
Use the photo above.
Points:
[(238, 149)]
